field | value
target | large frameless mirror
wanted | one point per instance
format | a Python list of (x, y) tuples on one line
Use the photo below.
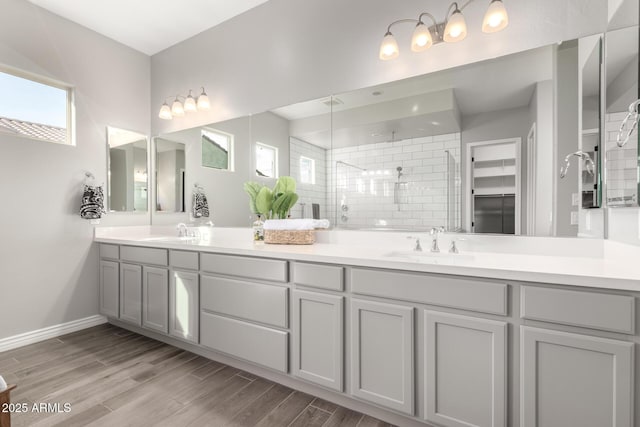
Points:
[(441, 150), (128, 180)]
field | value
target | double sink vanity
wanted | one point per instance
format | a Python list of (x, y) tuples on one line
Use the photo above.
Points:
[(492, 336)]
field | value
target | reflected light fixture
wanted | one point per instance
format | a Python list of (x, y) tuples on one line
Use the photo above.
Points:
[(190, 104), (203, 101), (452, 29), (179, 108)]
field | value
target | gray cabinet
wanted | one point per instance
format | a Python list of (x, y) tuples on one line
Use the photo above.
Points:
[(155, 299), (131, 293), (318, 338), (184, 305), (382, 368), (465, 371), (575, 380), (109, 288)]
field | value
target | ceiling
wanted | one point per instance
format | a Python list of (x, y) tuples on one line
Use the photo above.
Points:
[(148, 26), (431, 104), (497, 84)]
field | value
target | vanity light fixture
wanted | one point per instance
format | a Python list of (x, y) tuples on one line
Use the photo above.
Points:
[(179, 108), (453, 29)]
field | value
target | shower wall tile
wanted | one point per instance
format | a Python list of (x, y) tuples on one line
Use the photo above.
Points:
[(364, 194)]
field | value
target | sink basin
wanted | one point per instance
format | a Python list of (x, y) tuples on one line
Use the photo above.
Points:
[(431, 257)]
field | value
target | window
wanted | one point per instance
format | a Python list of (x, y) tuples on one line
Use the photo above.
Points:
[(36, 108), (307, 170), (217, 150), (266, 160)]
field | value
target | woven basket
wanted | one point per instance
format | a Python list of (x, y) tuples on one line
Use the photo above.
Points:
[(289, 237)]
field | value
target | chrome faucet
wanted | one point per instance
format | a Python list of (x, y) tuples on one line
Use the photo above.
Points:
[(182, 229), (435, 231)]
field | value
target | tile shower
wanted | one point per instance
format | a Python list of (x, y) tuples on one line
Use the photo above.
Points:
[(371, 192)]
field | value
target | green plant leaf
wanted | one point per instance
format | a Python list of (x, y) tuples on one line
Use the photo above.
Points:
[(252, 189), (264, 201), (285, 184)]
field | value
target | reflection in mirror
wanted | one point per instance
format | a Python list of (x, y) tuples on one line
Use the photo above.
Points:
[(170, 175), (622, 90), (217, 160), (127, 171), (472, 148), (590, 54), (308, 133)]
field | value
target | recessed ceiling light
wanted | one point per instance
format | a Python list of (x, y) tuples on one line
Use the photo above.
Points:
[(435, 123)]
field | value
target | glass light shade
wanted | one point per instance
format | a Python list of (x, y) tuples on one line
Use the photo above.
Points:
[(496, 18), (456, 29), (389, 47), (165, 112), (190, 104), (421, 39), (177, 109), (203, 101)]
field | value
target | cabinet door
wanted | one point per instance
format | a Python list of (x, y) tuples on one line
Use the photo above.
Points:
[(465, 370), (109, 288), (131, 293), (317, 338), (184, 305), (382, 354), (155, 299), (575, 380)]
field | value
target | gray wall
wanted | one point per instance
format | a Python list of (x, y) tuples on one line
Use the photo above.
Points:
[(48, 263), (568, 136), (263, 59)]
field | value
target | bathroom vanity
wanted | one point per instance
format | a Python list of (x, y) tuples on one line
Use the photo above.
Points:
[(471, 339)]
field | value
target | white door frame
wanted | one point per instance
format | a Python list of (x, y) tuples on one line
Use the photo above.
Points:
[(469, 180), (532, 152)]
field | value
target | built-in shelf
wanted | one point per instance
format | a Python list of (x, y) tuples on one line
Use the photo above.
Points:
[(493, 191)]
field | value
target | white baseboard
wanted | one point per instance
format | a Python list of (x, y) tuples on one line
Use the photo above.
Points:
[(38, 335)]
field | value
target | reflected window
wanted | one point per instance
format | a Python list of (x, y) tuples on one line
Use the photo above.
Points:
[(217, 150), (35, 108), (266, 160), (307, 170)]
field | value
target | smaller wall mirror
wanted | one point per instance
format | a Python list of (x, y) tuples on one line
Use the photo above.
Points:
[(170, 174), (623, 168), (128, 181)]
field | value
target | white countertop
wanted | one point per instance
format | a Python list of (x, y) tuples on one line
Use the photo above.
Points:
[(578, 262)]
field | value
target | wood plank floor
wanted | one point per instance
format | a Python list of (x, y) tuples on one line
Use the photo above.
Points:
[(113, 377)]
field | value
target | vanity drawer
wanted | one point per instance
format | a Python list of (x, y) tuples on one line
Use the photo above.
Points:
[(607, 312), (109, 251), (318, 276), (254, 268), (184, 259), (465, 294), (266, 304), (257, 344), (144, 255)]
